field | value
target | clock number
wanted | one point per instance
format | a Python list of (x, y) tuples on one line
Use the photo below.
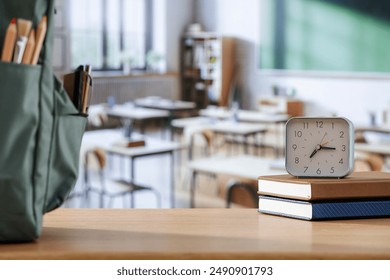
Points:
[(341, 161), (298, 133), (296, 160), (305, 169), (294, 147), (320, 124), (318, 171), (341, 134), (332, 170), (343, 148), (305, 125)]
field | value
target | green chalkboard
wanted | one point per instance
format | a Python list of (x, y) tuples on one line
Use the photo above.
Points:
[(319, 35)]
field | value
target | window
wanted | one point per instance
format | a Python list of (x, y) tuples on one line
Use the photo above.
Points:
[(108, 33)]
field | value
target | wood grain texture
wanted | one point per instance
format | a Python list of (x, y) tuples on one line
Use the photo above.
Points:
[(200, 234)]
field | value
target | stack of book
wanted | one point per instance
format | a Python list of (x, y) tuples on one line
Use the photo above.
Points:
[(360, 195), (131, 143)]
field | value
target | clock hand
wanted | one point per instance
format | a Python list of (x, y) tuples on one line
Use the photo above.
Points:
[(317, 148), (328, 148), (321, 146), (323, 139), (313, 153)]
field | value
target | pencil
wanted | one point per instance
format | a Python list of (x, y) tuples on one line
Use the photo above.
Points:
[(9, 41), (24, 27), (41, 33), (29, 48)]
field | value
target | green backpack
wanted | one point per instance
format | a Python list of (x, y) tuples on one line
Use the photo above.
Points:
[(40, 133)]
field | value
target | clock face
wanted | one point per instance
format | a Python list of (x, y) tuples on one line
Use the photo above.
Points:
[(319, 147)]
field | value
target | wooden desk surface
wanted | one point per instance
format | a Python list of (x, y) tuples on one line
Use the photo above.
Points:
[(200, 234)]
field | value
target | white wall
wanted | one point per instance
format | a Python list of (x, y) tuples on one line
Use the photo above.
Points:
[(349, 97), (179, 14)]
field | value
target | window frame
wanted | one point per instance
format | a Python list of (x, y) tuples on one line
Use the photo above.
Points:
[(148, 35)]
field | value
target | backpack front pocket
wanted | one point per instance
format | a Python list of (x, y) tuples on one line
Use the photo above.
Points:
[(64, 158), (69, 127)]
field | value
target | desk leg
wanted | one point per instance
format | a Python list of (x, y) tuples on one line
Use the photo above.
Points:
[(132, 169), (169, 125), (172, 180), (132, 175), (246, 144), (262, 144), (172, 132), (192, 188), (258, 143), (132, 200), (231, 145), (122, 166), (142, 126)]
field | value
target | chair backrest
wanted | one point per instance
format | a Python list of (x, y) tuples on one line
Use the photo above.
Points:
[(369, 162), (201, 138), (94, 163), (101, 157), (208, 135), (95, 159), (242, 193)]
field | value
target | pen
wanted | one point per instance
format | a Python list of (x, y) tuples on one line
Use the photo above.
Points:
[(9, 41)]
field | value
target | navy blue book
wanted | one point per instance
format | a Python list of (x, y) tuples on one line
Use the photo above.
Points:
[(324, 210)]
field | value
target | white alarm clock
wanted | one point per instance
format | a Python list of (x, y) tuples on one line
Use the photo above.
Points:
[(319, 147)]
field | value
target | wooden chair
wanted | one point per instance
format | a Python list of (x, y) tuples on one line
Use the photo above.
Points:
[(369, 162), (242, 193), (95, 163), (207, 137)]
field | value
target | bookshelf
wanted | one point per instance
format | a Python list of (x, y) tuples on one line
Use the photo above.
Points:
[(207, 68)]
